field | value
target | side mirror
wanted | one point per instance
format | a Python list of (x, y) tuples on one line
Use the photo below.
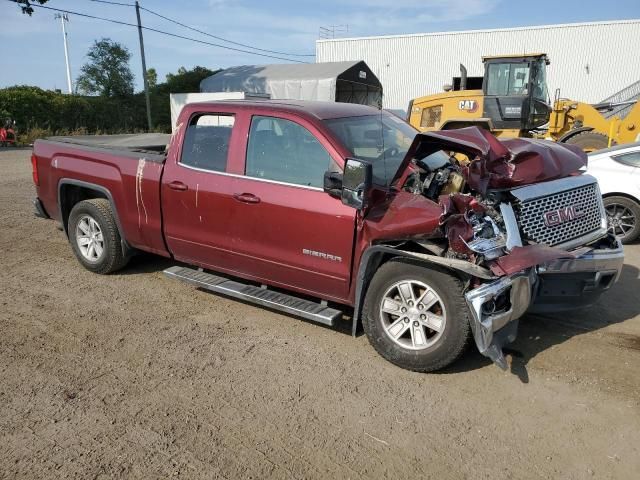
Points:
[(333, 183), (356, 183)]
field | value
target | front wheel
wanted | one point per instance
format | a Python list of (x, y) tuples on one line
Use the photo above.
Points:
[(94, 236), (416, 317)]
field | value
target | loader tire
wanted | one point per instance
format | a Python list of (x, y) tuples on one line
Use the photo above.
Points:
[(589, 141)]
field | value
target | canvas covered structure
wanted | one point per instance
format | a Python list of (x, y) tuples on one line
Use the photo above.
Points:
[(348, 81)]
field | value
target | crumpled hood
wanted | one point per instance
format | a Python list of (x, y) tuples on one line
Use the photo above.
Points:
[(499, 163)]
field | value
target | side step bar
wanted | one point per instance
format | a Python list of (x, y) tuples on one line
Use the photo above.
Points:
[(315, 312)]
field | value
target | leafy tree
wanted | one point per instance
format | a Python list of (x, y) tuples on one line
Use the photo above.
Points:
[(26, 7), (183, 81), (152, 77), (187, 81), (107, 73)]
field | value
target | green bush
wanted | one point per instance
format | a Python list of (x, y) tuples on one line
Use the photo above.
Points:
[(39, 113)]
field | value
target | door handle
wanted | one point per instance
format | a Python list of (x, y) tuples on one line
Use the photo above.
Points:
[(181, 187), (246, 197)]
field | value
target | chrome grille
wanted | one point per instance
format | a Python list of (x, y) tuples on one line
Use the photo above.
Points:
[(586, 198)]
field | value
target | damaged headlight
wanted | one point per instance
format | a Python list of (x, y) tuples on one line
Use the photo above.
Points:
[(488, 240)]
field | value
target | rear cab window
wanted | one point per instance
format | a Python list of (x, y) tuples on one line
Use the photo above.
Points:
[(206, 142)]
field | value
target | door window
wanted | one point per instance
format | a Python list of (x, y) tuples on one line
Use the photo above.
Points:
[(206, 142), (284, 151)]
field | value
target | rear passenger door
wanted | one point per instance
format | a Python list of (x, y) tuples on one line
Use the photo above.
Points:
[(287, 230), (197, 192)]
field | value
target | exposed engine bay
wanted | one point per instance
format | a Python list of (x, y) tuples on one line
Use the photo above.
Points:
[(471, 175), (472, 224)]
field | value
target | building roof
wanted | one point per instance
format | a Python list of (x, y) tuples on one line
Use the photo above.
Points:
[(487, 30)]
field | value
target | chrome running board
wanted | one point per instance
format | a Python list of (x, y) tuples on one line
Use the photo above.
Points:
[(299, 307)]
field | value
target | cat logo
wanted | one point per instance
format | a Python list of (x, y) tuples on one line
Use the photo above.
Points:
[(468, 105)]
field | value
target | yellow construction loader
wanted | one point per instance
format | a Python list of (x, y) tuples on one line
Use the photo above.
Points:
[(511, 100)]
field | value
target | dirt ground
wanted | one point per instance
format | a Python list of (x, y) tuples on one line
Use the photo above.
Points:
[(136, 375)]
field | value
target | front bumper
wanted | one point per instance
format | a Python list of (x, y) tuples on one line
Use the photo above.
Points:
[(492, 329), (557, 285), (566, 284)]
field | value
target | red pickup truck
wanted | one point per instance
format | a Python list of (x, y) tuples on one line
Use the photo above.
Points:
[(333, 210)]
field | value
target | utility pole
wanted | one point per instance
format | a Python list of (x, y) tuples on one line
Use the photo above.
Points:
[(63, 19), (144, 67)]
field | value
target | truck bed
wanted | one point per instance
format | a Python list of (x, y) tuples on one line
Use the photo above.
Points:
[(139, 143), (126, 169)]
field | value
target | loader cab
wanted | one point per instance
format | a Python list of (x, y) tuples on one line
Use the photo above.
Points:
[(515, 92)]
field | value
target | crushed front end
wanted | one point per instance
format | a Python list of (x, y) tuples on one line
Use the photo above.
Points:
[(524, 211)]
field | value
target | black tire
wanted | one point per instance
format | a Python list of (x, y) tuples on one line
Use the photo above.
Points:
[(590, 141), (453, 338), (111, 257), (623, 206)]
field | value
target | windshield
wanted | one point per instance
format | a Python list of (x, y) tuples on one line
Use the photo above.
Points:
[(382, 139)]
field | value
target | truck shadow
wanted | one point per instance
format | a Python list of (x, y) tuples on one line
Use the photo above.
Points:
[(147, 263), (537, 333)]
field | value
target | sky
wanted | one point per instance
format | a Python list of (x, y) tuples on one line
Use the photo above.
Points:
[(33, 52)]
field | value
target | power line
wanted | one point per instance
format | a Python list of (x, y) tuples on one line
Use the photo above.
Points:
[(114, 3), (205, 33), (221, 38), (118, 22)]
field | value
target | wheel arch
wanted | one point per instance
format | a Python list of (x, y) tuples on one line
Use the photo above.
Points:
[(377, 255), (621, 194), (71, 192)]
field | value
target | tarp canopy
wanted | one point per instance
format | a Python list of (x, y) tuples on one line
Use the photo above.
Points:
[(349, 82)]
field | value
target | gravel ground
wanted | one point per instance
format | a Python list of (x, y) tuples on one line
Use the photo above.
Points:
[(137, 375)]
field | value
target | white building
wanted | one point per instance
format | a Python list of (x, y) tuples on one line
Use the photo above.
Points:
[(589, 61)]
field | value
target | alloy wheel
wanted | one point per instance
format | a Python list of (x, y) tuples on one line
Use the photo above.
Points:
[(89, 238), (620, 219), (413, 315)]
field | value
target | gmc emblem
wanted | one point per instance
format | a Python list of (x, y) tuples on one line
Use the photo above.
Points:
[(563, 215)]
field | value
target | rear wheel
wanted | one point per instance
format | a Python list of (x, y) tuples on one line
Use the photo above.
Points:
[(416, 317), (623, 218), (589, 141), (94, 236)]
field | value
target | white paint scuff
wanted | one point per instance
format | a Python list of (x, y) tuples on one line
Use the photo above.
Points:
[(139, 199)]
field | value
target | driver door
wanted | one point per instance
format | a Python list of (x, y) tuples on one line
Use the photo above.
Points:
[(287, 231)]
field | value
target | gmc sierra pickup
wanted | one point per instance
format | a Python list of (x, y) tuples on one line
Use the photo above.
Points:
[(324, 209)]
